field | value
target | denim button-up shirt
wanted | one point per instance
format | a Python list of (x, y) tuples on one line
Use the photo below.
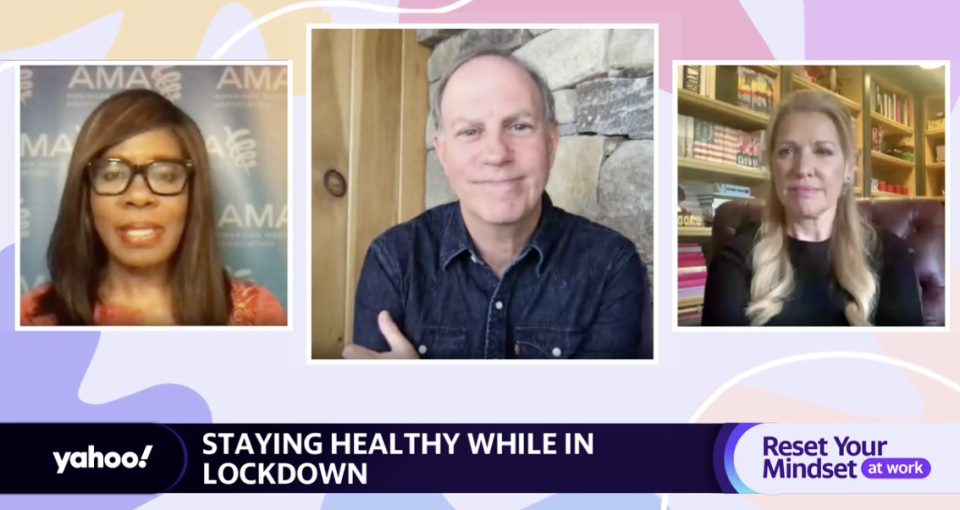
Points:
[(577, 290)]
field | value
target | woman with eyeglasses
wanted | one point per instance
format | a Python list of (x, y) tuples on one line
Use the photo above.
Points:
[(134, 242)]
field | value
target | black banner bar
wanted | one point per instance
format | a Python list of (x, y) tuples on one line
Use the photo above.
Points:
[(181, 458)]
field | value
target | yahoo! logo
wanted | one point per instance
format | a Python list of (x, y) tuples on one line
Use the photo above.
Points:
[(164, 79)]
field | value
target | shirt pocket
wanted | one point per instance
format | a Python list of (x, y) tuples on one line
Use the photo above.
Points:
[(441, 342), (548, 342)]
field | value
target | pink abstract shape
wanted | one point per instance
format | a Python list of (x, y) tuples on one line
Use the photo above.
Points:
[(689, 29), (881, 30)]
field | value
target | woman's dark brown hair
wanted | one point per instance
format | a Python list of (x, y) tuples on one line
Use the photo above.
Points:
[(77, 256)]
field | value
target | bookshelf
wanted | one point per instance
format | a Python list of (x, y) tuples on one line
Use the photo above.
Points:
[(899, 129), (934, 150), (712, 171), (691, 103), (800, 83)]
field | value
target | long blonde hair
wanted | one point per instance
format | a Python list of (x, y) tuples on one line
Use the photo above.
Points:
[(852, 241)]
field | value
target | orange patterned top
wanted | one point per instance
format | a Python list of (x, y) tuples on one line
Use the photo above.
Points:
[(253, 305)]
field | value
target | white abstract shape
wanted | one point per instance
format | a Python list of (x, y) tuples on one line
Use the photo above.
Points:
[(827, 384), (333, 3), (780, 23), (899, 363), (345, 15), (498, 501), (228, 21)]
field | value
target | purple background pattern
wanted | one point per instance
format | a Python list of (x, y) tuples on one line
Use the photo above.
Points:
[(40, 373)]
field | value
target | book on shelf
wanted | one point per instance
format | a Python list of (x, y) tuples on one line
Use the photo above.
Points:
[(754, 90), (877, 142), (692, 318), (699, 79), (734, 85), (709, 141), (892, 105), (700, 199), (691, 271)]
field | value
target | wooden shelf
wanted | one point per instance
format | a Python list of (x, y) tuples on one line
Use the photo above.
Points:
[(799, 82), (694, 231), (703, 107), (937, 166), (936, 133), (689, 302), (886, 195), (892, 126), (890, 161), (941, 198), (721, 172), (768, 70)]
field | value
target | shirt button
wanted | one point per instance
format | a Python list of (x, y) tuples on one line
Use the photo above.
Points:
[(422, 349), (499, 305), (557, 352)]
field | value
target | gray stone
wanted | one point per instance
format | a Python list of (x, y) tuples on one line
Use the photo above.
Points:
[(433, 90), (631, 48), (538, 31), (567, 129), (566, 104), (610, 145), (573, 178), (633, 72), (438, 187), (567, 57), (625, 192), (428, 136), (443, 55), (503, 39), (431, 36), (616, 106)]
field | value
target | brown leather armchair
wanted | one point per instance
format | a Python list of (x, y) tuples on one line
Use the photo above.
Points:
[(918, 222)]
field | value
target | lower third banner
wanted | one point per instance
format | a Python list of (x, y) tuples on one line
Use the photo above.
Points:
[(452, 458)]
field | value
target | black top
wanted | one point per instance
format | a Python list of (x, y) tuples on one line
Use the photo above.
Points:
[(818, 299)]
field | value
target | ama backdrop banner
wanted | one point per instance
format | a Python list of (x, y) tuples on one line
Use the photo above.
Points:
[(242, 112)]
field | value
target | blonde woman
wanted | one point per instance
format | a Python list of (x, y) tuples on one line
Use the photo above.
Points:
[(812, 261)]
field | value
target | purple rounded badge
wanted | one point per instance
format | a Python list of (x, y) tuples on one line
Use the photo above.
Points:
[(879, 467)]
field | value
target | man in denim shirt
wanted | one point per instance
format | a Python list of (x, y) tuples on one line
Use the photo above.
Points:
[(502, 273)]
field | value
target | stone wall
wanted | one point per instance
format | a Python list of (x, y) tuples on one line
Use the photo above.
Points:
[(603, 84)]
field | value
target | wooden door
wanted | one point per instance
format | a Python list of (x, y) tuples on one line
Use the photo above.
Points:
[(369, 108)]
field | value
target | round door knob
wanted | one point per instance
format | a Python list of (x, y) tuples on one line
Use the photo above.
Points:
[(335, 184)]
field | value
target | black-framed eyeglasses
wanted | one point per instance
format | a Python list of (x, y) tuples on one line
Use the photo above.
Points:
[(164, 177)]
